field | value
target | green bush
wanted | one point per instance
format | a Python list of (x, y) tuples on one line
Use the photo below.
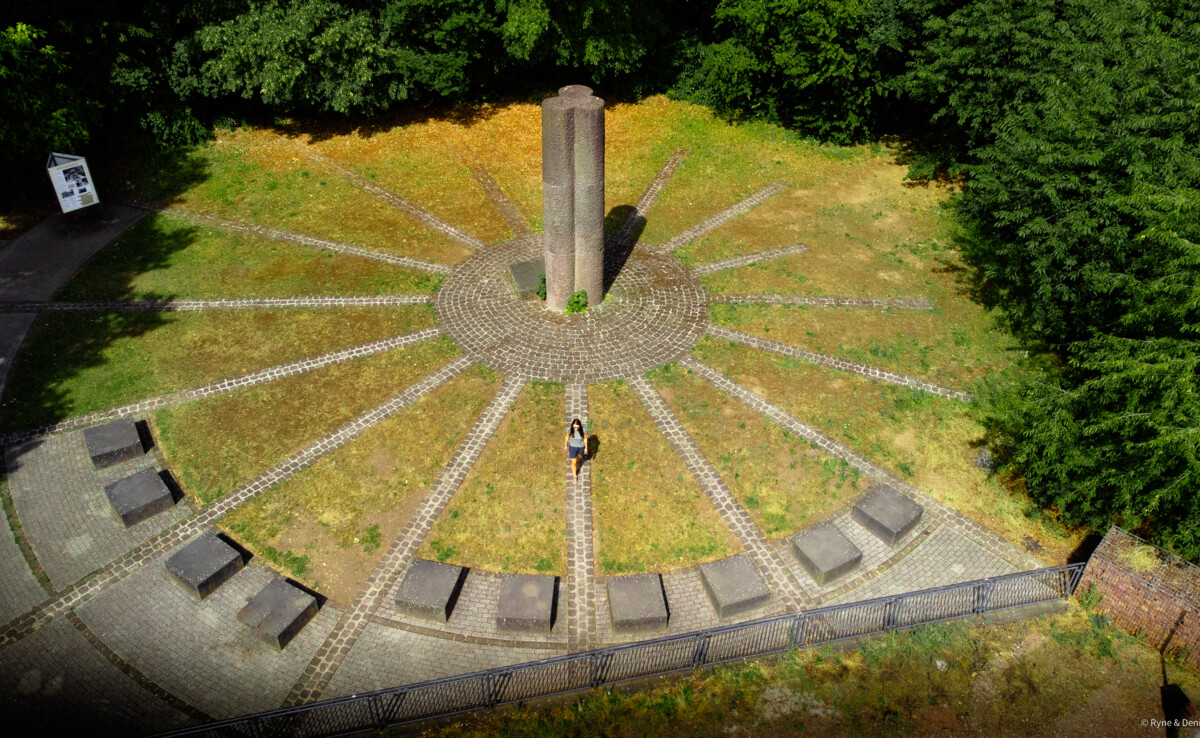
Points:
[(541, 291), (577, 303)]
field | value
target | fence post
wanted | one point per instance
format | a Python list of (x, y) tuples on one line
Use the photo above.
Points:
[(374, 706), (983, 595), (796, 636), (889, 614), (599, 665), (1075, 577), (701, 650)]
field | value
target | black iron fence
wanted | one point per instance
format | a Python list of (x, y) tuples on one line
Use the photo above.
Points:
[(467, 692)]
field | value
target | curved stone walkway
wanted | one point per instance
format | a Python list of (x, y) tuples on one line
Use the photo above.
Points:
[(181, 305)]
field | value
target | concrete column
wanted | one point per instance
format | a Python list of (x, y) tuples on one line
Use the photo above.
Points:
[(589, 197), (558, 202)]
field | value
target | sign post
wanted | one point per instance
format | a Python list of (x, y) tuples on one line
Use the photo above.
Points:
[(72, 182)]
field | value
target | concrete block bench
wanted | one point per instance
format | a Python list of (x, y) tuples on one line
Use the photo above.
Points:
[(278, 613), (139, 496), (637, 603), (430, 590), (113, 443), (825, 552), (526, 603), (733, 585), (526, 276), (204, 564), (886, 513)]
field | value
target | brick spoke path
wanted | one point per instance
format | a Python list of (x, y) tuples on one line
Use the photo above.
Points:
[(398, 202), (625, 234), (935, 511), (723, 217), (581, 558), (748, 259), (279, 234), (779, 572), (152, 549), (221, 386), (350, 626), (833, 362), (902, 303), (513, 216), (179, 305)]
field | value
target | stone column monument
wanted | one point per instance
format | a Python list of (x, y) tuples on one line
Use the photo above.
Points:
[(573, 195)]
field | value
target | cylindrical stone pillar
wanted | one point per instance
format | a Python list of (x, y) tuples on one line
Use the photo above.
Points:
[(558, 202), (589, 196)]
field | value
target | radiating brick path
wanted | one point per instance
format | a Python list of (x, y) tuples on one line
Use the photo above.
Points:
[(279, 234), (723, 217), (646, 201), (515, 219), (901, 303), (833, 362), (329, 656), (748, 259), (84, 590), (935, 512), (221, 386), (174, 305), (581, 555), (398, 202), (779, 573)]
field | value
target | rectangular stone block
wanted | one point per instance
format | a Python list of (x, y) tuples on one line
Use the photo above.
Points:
[(887, 513), (526, 603), (204, 564), (733, 585), (825, 552), (637, 603), (139, 496), (278, 613), (526, 276), (113, 443), (430, 590)]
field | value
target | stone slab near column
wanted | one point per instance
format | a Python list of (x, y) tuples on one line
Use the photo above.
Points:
[(637, 603), (204, 564), (526, 603), (573, 195), (886, 513), (278, 613), (430, 590), (733, 585), (113, 443), (825, 552), (139, 496)]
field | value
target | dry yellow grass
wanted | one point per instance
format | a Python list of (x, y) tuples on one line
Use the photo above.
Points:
[(649, 513), (510, 512)]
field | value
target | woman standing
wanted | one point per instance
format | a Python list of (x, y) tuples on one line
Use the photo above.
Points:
[(576, 445)]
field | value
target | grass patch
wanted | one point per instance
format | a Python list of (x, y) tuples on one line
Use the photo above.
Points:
[(165, 256), (927, 440), (650, 514), (1141, 557), (784, 483), (365, 492), (510, 512), (216, 445), (74, 363)]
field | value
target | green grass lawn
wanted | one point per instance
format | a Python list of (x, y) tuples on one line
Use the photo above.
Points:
[(329, 525), (510, 513)]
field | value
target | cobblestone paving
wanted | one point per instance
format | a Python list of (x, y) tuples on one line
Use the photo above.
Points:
[(904, 303), (625, 234), (654, 312), (173, 305), (723, 217), (19, 588), (833, 362), (156, 547), (581, 552), (328, 658), (279, 234), (935, 512), (778, 571), (748, 259), (404, 206), (197, 650), (511, 214), (945, 557), (389, 657), (221, 386), (67, 518), (55, 683), (474, 616)]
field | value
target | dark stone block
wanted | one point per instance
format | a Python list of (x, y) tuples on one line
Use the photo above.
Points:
[(637, 602), (825, 552), (204, 564), (887, 513), (527, 603), (526, 276), (113, 443), (430, 590), (733, 585), (139, 496), (278, 613)]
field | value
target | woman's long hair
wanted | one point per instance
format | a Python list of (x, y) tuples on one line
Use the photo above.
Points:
[(571, 430)]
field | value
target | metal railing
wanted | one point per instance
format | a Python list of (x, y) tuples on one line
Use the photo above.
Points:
[(561, 674)]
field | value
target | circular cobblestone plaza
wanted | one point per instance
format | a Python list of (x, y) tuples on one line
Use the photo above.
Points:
[(716, 326)]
